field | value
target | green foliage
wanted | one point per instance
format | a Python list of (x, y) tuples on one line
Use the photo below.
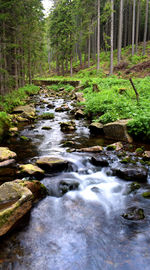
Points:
[(56, 87), (108, 105), (4, 124), (17, 97)]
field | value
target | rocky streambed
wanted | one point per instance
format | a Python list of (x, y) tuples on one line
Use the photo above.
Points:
[(96, 212)]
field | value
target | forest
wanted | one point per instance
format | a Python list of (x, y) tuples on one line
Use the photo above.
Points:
[(74, 135)]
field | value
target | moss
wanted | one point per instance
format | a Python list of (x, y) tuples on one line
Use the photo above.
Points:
[(111, 147), (134, 186), (125, 160), (139, 150), (46, 116), (146, 194), (24, 138)]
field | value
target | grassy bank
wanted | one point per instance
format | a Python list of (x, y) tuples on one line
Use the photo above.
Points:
[(11, 100)]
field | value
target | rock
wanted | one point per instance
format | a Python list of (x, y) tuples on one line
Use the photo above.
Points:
[(67, 185), (91, 149), (68, 126), (6, 154), (115, 146), (146, 194), (24, 138), (50, 106), (69, 144), (52, 164), (96, 129), (100, 161), (63, 108), (146, 155), (31, 170), (7, 163), (46, 128), (118, 130), (79, 114), (13, 131), (132, 173), (133, 187), (38, 189), (8, 170), (79, 97), (27, 111), (15, 202), (47, 116), (134, 213)]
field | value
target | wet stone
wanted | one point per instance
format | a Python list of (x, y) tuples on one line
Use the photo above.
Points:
[(67, 185), (31, 170), (134, 213), (6, 154), (100, 161), (132, 173), (96, 129), (52, 164), (93, 149)]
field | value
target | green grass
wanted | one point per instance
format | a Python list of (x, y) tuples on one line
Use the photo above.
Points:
[(109, 105), (17, 97), (11, 100)]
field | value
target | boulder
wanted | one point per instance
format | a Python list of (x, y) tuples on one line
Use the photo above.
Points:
[(50, 106), (68, 126), (6, 154), (79, 114), (7, 169), (146, 155), (15, 202), (63, 108), (79, 97), (38, 189), (100, 161), (115, 146), (96, 129), (13, 131), (118, 130), (92, 149), (27, 111), (52, 164), (31, 170), (132, 173)]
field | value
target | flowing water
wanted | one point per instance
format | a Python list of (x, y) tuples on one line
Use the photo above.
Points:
[(84, 229)]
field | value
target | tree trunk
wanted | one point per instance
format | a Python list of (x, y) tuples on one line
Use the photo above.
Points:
[(120, 31), (145, 28), (29, 65), (137, 26), (98, 34), (125, 26), (15, 63), (133, 27), (112, 36), (71, 69), (89, 49)]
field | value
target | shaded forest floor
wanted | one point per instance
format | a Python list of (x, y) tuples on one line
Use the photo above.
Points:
[(137, 66)]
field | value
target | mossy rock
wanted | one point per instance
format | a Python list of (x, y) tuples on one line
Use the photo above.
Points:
[(134, 186), (47, 116), (31, 170), (146, 194), (46, 128), (24, 138), (52, 164), (115, 146), (6, 154), (15, 202)]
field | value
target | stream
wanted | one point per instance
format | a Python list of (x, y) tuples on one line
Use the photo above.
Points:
[(83, 229)]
